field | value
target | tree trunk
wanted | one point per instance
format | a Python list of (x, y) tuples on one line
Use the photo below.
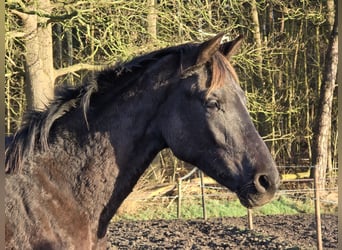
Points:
[(331, 12), (258, 78), (152, 19), (39, 57), (70, 51), (258, 40), (322, 127)]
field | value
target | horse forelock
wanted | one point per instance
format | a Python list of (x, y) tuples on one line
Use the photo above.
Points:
[(220, 68)]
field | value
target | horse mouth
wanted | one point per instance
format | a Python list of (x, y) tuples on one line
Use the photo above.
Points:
[(250, 197)]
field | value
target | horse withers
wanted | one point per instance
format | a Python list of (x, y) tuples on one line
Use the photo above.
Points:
[(69, 167)]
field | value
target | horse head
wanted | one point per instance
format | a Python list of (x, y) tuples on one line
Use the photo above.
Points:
[(205, 122)]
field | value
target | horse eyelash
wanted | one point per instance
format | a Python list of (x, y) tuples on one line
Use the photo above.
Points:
[(217, 104)]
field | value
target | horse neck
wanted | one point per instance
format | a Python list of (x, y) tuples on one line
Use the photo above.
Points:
[(134, 140)]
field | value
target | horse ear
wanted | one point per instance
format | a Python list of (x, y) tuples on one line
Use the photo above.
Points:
[(208, 48), (229, 49)]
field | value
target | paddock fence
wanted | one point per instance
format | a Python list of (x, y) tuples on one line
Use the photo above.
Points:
[(291, 184)]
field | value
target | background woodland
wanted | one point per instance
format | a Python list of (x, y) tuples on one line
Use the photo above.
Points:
[(287, 64)]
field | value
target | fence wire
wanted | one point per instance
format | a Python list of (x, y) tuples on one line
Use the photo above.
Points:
[(222, 191)]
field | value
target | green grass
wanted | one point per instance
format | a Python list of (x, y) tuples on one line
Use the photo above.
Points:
[(192, 209), (285, 205)]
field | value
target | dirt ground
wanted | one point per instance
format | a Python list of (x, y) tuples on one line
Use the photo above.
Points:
[(270, 232)]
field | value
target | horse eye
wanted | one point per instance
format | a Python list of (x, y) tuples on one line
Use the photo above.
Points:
[(212, 104)]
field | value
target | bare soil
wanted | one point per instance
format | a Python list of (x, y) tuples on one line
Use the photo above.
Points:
[(270, 232)]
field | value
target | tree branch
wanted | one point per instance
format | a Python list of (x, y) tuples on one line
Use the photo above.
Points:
[(22, 15), (50, 18), (77, 67)]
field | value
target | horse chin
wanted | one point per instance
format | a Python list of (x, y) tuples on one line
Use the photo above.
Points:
[(251, 202), (250, 197)]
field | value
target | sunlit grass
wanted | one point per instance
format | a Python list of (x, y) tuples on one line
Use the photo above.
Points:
[(192, 209), (285, 205)]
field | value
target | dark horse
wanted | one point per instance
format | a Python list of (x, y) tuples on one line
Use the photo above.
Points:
[(70, 166)]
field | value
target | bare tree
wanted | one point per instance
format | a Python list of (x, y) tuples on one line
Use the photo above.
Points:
[(322, 135), (40, 74), (39, 59)]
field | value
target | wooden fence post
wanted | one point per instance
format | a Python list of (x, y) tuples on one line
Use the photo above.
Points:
[(318, 208), (203, 198), (179, 201), (250, 219)]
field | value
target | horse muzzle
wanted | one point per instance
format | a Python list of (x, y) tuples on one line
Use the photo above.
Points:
[(259, 191)]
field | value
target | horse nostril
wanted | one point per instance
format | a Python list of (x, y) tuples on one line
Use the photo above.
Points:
[(261, 183)]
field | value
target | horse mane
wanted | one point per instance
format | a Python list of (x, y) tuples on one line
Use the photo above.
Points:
[(36, 124)]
